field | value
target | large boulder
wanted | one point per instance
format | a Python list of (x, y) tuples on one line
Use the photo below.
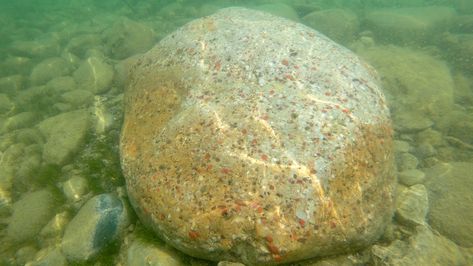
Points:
[(248, 137)]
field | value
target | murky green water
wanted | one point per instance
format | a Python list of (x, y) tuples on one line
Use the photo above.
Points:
[(63, 68)]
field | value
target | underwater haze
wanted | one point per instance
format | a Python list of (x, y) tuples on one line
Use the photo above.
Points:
[(64, 67)]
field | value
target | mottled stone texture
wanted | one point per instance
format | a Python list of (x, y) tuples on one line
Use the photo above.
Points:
[(251, 138)]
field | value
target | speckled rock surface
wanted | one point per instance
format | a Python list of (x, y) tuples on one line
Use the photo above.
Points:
[(251, 138)]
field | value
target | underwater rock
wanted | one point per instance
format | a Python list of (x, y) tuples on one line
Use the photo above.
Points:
[(419, 87), (411, 177), (61, 85), (152, 253), (11, 84), (95, 75), (127, 37), (122, 69), (406, 161), (278, 9), (64, 134), (423, 248), (80, 44), (16, 65), (21, 120), (410, 122), (30, 214), (78, 98), (24, 254), (6, 104), (75, 188), (48, 69), (451, 205), (252, 138), (412, 205), (98, 223), (338, 24), (55, 227), (49, 257), (40, 48), (416, 25), (460, 50), (401, 146)]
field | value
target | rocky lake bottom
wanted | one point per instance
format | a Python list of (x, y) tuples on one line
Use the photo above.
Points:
[(63, 70)]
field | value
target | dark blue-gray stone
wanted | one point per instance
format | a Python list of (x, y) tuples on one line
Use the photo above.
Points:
[(107, 225), (98, 223)]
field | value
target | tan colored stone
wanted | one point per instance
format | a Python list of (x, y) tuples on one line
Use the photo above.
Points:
[(252, 138)]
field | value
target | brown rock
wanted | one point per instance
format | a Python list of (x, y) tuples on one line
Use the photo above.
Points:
[(252, 138)]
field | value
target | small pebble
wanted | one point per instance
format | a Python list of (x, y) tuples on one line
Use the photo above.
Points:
[(75, 188)]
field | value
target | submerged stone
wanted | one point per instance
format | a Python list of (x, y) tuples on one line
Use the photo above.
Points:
[(64, 134), (451, 202), (249, 137), (30, 214), (97, 224)]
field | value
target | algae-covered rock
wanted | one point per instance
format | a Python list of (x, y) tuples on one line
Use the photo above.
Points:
[(423, 248), (409, 25), (279, 9), (30, 214), (48, 69), (248, 137), (451, 204), (6, 104), (419, 86), (95, 75), (339, 24), (21, 120), (40, 48), (127, 37), (11, 84), (153, 253), (64, 134), (412, 205)]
